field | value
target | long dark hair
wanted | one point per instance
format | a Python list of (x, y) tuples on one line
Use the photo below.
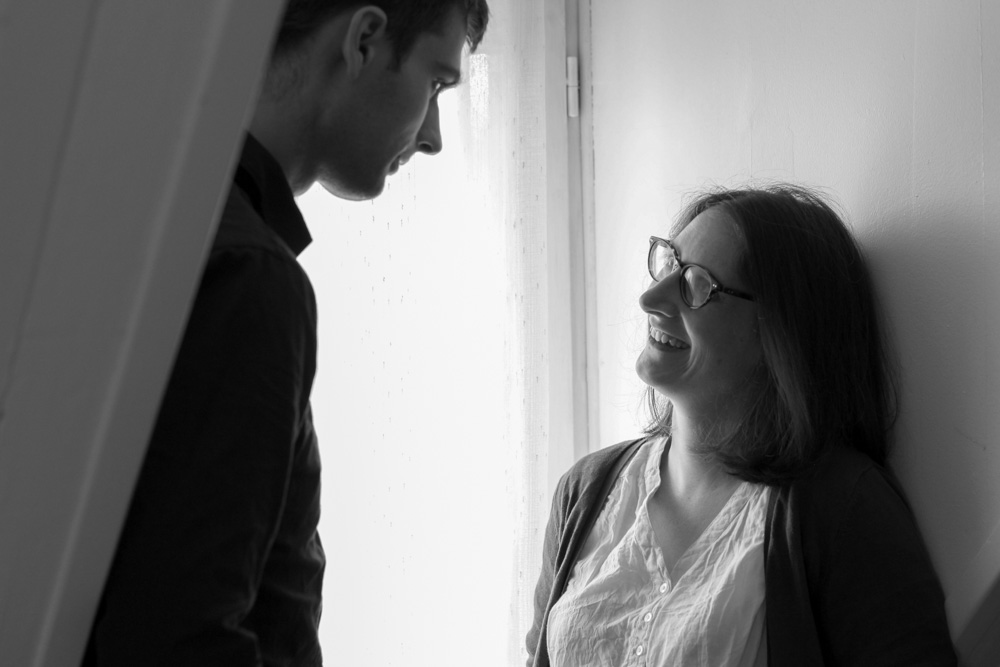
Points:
[(826, 377)]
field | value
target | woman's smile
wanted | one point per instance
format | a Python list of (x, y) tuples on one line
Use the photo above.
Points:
[(664, 341), (713, 349)]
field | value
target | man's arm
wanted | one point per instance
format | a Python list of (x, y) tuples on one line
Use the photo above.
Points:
[(232, 431)]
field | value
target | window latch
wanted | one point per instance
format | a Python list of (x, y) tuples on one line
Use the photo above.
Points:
[(573, 86)]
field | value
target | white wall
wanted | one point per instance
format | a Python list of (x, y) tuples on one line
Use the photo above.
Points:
[(893, 106), (119, 122)]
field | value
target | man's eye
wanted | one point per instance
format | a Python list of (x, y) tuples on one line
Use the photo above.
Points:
[(439, 85)]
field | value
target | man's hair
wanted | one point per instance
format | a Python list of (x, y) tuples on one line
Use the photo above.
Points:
[(407, 20), (826, 377)]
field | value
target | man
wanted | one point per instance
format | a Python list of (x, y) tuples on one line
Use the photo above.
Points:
[(219, 562)]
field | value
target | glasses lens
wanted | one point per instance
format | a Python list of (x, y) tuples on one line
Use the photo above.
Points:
[(696, 286), (661, 261)]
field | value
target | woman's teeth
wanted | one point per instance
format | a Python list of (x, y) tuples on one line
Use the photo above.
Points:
[(664, 339)]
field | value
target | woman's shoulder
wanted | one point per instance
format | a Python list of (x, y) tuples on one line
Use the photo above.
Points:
[(841, 472), (846, 485), (846, 523), (597, 466)]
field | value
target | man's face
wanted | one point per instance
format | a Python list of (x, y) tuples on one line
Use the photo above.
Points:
[(365, 127)]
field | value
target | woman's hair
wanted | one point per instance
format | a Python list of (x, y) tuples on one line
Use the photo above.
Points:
[(826, 377)]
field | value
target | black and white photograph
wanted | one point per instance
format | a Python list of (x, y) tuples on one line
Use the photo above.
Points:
[(500, 333)]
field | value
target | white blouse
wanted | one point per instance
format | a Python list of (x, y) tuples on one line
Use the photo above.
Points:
[(622, 606)]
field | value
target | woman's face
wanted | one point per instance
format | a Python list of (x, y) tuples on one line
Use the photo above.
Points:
[(700, 359)]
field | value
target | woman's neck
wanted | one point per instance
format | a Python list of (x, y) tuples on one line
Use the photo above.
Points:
[(688, 471)]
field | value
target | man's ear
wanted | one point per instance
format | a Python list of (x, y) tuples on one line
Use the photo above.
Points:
[(365, 34)]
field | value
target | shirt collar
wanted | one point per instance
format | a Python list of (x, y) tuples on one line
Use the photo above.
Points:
[(260, 176)]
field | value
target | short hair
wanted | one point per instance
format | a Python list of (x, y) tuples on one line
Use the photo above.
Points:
[(826, 376), (407, 20)]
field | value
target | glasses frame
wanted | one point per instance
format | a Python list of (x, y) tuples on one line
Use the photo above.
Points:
[(682, 268)]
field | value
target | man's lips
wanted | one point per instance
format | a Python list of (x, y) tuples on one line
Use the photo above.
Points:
[(395, 165)]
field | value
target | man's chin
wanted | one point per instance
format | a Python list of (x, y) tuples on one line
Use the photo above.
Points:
[(355, 191)]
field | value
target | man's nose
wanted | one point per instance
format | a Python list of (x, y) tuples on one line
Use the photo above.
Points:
[(429, 135)]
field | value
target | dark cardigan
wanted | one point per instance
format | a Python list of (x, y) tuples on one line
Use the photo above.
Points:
[(848, 580)]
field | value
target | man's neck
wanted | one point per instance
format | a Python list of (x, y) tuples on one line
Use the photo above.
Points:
[(271, 128)]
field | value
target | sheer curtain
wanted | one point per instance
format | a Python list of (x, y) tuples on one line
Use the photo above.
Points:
[(432, 393)]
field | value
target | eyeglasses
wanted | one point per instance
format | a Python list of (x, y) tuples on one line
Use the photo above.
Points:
[(697, 284)]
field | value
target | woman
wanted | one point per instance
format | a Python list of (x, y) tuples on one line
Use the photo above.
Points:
[(756, 523)]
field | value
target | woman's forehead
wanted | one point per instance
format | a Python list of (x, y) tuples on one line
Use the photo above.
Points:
[(712, 240)]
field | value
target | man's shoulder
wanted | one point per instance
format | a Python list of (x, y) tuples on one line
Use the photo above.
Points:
[(249, 260), (242, 228)]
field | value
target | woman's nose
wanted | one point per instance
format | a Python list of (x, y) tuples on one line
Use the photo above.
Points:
[(662, 297)]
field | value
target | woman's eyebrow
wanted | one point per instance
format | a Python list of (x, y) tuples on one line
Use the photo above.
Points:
[(676, 250)]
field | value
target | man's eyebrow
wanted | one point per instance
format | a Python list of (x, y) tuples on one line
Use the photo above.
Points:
[(454, 75)]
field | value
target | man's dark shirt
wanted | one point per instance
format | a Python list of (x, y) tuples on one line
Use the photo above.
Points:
[(219, 562)]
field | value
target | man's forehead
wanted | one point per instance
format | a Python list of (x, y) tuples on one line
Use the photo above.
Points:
[(442, 47)]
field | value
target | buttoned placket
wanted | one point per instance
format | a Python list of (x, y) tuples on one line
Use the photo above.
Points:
[(638, 651), (643, 625)]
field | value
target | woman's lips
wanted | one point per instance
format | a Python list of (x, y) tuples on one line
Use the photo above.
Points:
[(666, 339)]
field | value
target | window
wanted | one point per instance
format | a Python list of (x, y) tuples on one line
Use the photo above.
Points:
[(432, 394)]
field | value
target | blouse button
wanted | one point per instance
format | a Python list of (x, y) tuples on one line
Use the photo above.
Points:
[(663, 588), (638, 651), (648, 617)]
